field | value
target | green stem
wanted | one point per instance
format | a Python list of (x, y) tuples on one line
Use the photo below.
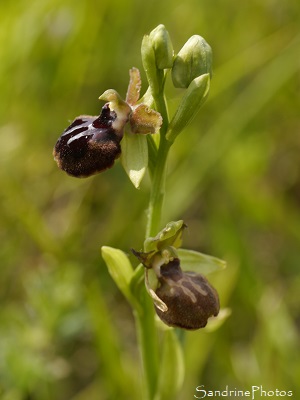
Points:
[(148, 342), (158, 190), (159, 176), (147, 332)]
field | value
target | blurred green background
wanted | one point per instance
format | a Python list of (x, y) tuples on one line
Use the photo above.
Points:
[(234, 177)]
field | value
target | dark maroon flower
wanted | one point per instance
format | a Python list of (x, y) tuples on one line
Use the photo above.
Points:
[(89, 145)]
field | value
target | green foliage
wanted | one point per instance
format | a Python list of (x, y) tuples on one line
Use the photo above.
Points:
[(172, 366), (199, 262), (234, 178), (119, 268)]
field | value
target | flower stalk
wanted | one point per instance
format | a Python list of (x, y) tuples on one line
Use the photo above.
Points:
[(159, 286), (148, 336)]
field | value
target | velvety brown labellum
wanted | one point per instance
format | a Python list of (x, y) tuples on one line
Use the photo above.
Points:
[(190, 298), (89, 145)]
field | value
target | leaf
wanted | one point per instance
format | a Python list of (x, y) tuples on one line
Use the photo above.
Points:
[(198, 262), (134, 157), (120, 269), (171, 367)]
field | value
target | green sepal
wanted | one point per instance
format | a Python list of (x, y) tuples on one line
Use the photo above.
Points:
[(120, 269), (171, 235), (171, 366), (134, 157), (189, 106), (147, 98), (200, 263)]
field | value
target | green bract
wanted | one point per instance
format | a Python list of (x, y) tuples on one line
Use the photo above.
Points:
[(189, 106), (120, 270)]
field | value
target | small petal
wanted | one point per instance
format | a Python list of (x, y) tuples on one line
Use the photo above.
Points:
[(134, 87), (145, 120)]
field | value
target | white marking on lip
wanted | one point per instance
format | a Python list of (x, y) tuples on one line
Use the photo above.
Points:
[(79, 135)]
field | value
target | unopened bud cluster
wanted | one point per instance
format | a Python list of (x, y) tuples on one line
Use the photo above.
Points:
[(191, 69), (194, 58)]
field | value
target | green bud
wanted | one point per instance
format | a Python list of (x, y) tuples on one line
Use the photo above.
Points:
[(163, 48), (149, 64), (191, 102), (194, 59)]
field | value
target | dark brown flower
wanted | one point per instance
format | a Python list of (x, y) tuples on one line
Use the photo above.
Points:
[(190, 298)]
